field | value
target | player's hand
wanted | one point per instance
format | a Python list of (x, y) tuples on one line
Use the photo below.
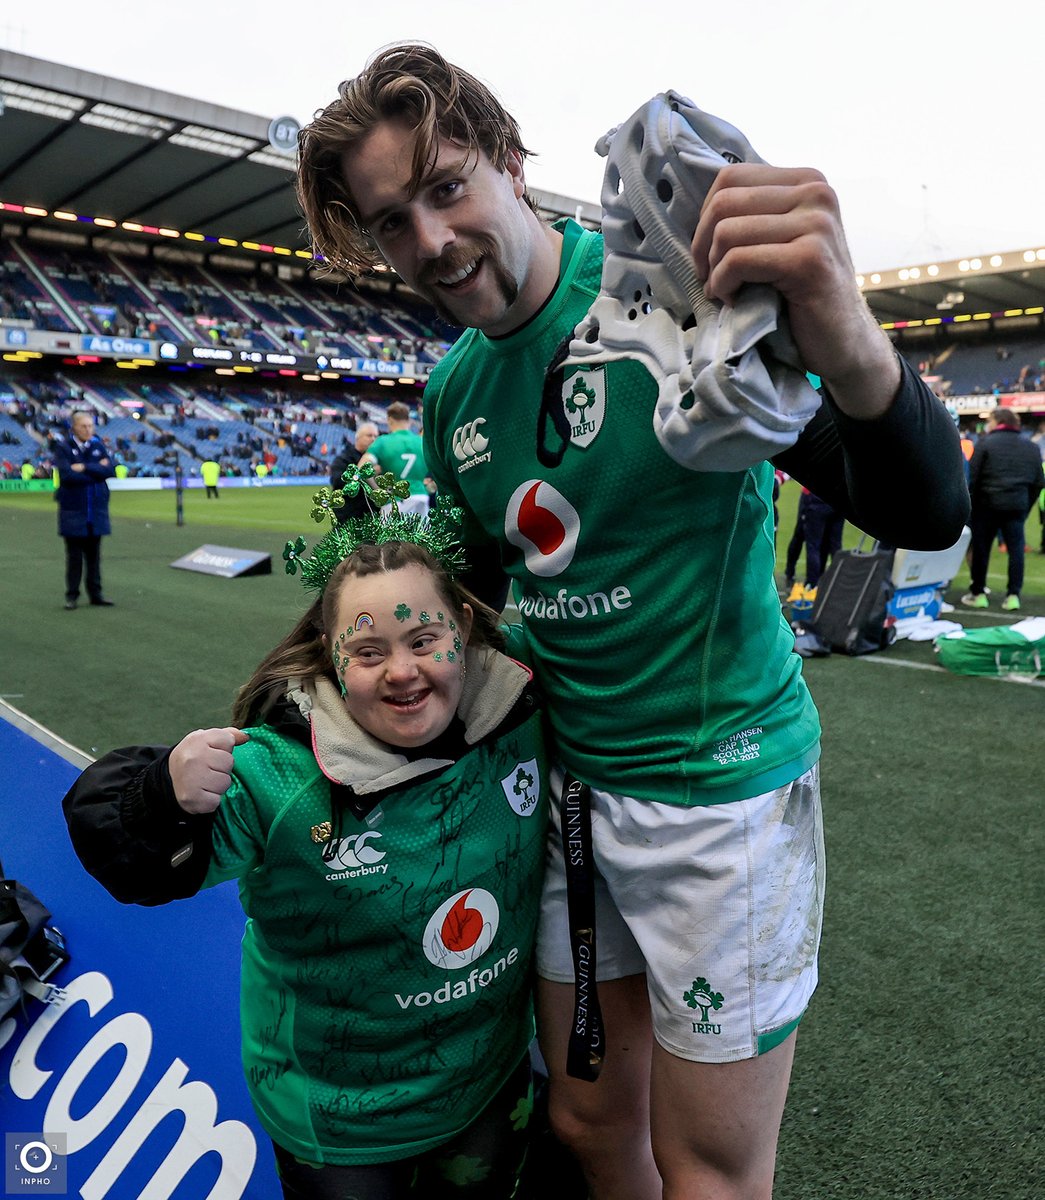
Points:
[(782, 226), (201, 767)]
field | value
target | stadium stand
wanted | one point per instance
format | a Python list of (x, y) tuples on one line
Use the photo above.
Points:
[(232, 331), (167, 416), (994, 367), (16, 445), (24, 293), (155, 422)]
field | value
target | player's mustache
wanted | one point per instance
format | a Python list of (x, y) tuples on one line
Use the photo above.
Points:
[(452, 262)]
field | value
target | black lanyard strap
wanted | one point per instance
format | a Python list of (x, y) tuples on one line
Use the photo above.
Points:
[(587, 1046), (552, 409)]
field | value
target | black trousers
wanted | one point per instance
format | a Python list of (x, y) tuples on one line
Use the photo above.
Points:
[(482, 1162), (81, 552), (820, 529), (986, 524)]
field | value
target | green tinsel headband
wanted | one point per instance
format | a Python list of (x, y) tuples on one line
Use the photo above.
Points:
[(432, 530)]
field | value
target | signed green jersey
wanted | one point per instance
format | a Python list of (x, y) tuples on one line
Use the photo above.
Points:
[(386, 988), (646, 590)]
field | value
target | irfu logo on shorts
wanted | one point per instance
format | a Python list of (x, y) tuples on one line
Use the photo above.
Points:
[(701, 996)]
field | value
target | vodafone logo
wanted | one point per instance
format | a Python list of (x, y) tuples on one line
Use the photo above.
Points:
[(459, 933), (544, 525), (461, 929)]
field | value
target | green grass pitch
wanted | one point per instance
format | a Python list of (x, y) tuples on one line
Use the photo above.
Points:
[(918, 1073)]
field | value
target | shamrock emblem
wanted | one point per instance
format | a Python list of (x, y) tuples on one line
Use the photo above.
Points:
[(581, 396), (292, 552), (520, 1115), (448, 511), (386, 487), (354, 477), (325, 501), (703, 997)]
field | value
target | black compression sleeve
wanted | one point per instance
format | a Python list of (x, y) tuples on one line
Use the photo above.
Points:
[(899, 477)]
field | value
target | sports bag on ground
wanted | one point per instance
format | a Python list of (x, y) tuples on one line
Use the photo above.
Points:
[(1008, 650), (849, 609), (31, 948)]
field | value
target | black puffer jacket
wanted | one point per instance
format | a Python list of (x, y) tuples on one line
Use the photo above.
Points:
[(1005, 472)]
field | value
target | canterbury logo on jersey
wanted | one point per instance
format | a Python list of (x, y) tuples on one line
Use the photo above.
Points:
[(470, 444), (356, 855)]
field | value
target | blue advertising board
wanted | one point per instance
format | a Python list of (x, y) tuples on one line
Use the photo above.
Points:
[(132, 1080)]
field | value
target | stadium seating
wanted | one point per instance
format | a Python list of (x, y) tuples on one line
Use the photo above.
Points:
[(77, 290), (24, 295), (151, 421), (984, 368), (16, 445)]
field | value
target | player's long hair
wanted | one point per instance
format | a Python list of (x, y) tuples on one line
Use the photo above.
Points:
[(303, 655), (412, 83)]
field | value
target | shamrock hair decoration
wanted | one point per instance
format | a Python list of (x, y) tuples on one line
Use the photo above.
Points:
[(386, 488), (434, 531), (325, 501), (292, 552), (354, 478)]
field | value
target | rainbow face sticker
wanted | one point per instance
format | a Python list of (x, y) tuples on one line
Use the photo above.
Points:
[(362, 621)]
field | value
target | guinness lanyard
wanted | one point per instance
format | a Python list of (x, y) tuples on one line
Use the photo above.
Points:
[(587, 1045)]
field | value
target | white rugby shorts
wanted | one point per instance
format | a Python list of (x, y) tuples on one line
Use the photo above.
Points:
[(720, 905)]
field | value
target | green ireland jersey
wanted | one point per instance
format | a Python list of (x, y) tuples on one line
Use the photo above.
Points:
[(386, 962), (646, 590), (402, 453)]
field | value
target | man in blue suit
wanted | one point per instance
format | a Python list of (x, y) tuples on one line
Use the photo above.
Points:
[(83, 464)]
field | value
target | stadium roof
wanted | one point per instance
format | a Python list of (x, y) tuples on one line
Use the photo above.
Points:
[(1007, 289), (121, 160), (89, 147)]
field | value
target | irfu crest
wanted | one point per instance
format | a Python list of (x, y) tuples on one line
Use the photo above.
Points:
[(522, 787), (584, 400)]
